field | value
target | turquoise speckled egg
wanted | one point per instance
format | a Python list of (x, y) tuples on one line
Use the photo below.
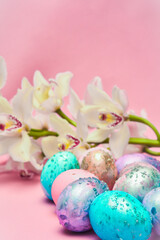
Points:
[(74, 201), (152, 203), (116, 215), (57, 164)]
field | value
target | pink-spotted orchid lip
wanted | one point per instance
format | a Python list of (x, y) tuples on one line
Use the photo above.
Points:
[(9, 123), (111, 119), (69, 144)]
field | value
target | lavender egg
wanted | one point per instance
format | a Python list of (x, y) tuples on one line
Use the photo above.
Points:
[(139, 181), (136, 157), (100, 162), (74, 201), (152, 203)]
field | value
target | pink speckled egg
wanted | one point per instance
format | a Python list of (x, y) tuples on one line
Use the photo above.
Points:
[(66, 178), (100, 162)]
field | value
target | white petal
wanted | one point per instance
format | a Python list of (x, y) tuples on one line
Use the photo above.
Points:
[(49, 146), (101, 98), (75, 104), (22, 103), (60, 125), (3, 72), (97, 82), (5, 106), (5, 142), (63, 81), (20, 149), (50, 105), (38, 79), (25, 83), (98, 135), (119, 140), (82, 128), (119, 96)]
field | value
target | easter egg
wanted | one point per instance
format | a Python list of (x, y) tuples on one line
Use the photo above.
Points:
[(134, 158), (116, 215), (100, 162), (129, 167), (152, 203), (139, 181), (57, 164), (66, 178), (73, 203)]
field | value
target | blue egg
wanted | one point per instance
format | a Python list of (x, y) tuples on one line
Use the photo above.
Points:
[(58, 163), (152, 203), (116, 215)]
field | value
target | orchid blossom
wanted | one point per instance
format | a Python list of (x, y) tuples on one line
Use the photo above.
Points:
[(105, 114), (68, 139), (15, 121), (48, 95)]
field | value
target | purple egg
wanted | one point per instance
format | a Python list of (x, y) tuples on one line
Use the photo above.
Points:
[(74, 202), (152, 203), (136, 157)]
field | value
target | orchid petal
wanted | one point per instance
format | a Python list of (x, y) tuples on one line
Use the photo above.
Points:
[(9, 125), (39, 80), (49, 146), (5, 142), (20, 150), (75, 104), (119, 96), (98, 135), (82, 128), (119, 140), (95, 82), (62, 87), (20, 108), (101, 98), (51, 105), (5, 106), (60, 125), (3, 72)]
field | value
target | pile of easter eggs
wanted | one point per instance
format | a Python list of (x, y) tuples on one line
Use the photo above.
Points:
[(119, 200)]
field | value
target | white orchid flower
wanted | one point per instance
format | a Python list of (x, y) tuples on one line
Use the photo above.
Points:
[(104, 113), (3, 72), (68, 139), (48, 95), (15, 120)]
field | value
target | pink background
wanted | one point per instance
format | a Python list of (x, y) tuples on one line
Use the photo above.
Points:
[(117, 40)]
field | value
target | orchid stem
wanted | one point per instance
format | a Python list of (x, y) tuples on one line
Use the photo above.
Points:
[(64, 116), (41, 133), (151, 152), (134, 118)]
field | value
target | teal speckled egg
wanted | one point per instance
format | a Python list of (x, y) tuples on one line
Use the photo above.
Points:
[(58, 163), (116, 215)]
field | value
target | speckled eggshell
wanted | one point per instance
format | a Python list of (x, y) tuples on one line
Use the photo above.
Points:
[(116, 215), (139, 181), (100, 162), (57, 164), (152, 203), (136, 157), (129, 167), (73, 203), (66, 178)]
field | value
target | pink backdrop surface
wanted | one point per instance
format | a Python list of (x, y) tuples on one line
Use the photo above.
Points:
[(116, 40)]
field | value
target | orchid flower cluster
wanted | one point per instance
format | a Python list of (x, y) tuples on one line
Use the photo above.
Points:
[(33, 126)]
